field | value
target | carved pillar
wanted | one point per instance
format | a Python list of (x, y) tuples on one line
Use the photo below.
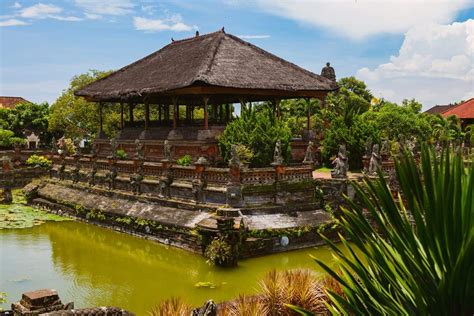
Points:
[(206, 115)]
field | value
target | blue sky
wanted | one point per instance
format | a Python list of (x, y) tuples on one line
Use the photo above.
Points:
[(402, 49)]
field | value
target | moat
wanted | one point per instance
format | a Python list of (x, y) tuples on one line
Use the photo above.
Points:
[(95, 266)]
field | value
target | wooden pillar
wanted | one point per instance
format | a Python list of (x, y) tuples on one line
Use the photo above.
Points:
[(308, 119), (101, 119), (130, 112), (206, 115), (243, 107), (175, 113), (159, 113), (121, 116), (214, 112), (276, 104), (147, 115), (227, 112), (188, 113)]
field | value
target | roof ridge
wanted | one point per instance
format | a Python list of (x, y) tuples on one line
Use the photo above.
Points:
[(274, 57), (207, 64)]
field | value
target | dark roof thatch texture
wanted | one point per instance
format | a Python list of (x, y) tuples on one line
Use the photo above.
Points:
[(216, 64)]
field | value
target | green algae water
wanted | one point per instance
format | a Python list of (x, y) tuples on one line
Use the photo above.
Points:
[(94, 266)]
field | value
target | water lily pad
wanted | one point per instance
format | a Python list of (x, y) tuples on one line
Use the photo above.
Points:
[(20, 215)]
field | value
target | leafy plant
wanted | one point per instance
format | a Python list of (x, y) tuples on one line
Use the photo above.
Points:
[(219, 252), (95, 214), (121, 154), (258, 130), (8, 139), (38, 161), (244, 153), (416, 257), (186, 160)]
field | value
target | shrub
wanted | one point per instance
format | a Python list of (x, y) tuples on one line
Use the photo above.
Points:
[(8, 139), (186, 160), (121, 154), (173, 306), (417, 258), (219, 252), (244, 153), (258, 131), (38, 161)]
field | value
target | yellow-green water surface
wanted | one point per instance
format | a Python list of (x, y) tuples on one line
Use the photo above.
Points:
[(94, 266)]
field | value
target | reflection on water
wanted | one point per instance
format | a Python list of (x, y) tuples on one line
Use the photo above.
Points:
[(94, 266)]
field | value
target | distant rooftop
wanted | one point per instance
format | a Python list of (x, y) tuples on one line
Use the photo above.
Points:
[(463, 110), (440, 109), (10, 102)]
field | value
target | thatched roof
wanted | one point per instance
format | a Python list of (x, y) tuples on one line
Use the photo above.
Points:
[(219, 65), (11, 102)]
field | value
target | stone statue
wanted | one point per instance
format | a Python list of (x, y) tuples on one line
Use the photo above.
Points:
[(234, 157), (385, 151), (167, 150), (54, 146), (308, 157), (368, 147), (374, 164), (113, 148), (111, 177), (136, 179), (277, 154), (139, 149), (328, 72), (341, 163)]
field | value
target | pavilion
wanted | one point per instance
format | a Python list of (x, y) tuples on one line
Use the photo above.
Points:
[(204, 74)]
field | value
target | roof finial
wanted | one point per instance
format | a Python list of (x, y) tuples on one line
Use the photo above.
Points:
[(172, 39), (222, 30), (328, 72), (197, 33)]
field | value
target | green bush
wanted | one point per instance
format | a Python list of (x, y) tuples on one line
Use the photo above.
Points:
[(186, 160), (121, 154), (219, 252), (413, 254), (258, 131), (38, 161), (244, 153), (8, 139)]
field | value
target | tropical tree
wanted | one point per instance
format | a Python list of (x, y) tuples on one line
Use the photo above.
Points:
[(75, 117), (413, 254)]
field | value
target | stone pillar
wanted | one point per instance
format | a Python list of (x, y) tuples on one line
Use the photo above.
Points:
[(234, 196), (17, 155), (199, 182)]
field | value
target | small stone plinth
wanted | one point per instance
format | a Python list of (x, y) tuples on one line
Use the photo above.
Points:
[(38, 302)]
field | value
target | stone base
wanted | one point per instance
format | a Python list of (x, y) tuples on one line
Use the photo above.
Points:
[(175, 134), (204, 134)]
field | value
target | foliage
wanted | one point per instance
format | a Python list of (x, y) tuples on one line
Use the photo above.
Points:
[(244, 153), (8, 139), (218, 252), (27, 116), (39, 161), (185, 160), (259, 131), (95, 214), (68, 146), (417, 258), (121, 154), (75, 117), (173, 306)]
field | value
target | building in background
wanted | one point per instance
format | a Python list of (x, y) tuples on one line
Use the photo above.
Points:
[(11, 102)]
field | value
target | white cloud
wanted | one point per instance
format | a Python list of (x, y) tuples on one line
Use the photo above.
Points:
[(361, 18), (92, 16), (66, 18), (12, 22), (253, 36), (40, 11), (173, 23), (16, 5), (106, 7), (435, 65)]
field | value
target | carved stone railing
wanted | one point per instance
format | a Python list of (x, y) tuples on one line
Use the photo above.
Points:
[(295, 174), (258, 176)]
